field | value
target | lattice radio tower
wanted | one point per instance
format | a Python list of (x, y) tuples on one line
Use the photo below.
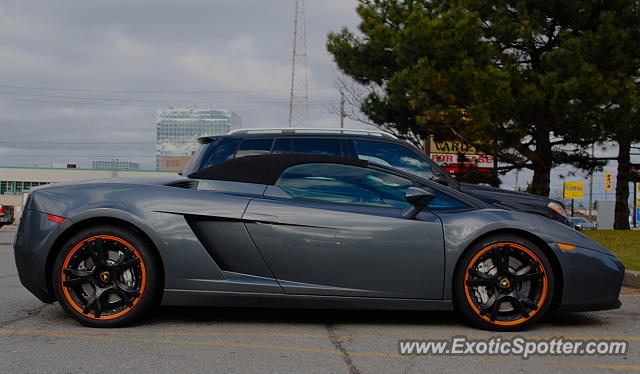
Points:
[(299, 101)]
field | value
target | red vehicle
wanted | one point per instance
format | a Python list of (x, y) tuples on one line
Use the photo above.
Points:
[(6, 215)]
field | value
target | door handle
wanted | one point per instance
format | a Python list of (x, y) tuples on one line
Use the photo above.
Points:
[(258, 217)]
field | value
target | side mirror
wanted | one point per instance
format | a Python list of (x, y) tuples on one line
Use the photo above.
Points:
[(419, 199)]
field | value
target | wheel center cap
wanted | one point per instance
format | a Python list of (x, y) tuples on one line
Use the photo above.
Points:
[(105, 276), (504, 283)]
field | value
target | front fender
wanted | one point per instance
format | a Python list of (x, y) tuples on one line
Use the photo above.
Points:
[(461, 229)]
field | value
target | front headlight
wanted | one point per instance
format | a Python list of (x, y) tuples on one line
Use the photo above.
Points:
[(557, 208)]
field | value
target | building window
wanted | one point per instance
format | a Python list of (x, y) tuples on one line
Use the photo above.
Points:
[(18, 187)]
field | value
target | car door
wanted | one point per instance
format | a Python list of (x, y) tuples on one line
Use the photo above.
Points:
[(334, 229)]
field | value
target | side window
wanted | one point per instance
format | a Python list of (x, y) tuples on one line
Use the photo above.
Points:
[(344, 184), (283, 145), (394, 155), (325, 146), (211, 154), (254, 147), (223, 152)]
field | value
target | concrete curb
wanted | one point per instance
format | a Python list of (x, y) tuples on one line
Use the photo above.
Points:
[(631, 278)]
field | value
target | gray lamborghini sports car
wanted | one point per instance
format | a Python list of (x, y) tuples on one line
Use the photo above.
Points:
[(298, 231)]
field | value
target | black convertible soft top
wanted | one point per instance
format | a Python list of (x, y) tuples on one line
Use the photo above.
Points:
[(266, 169)]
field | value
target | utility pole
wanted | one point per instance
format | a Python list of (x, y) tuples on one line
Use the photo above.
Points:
[(635, 204), (593, 146), (427, 145), (342, 113), (299, 99)]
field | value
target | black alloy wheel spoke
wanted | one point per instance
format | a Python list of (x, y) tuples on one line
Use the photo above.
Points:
[(479, 282), (125, 264), (81, 277), (500, 256), (130, 292), (495, 308), (530, 276), (95, 303), (527, 268), (486, 308), (124, 297), (90, 304), (478, 274), (525, 300), (480, 279), (98, 255), (97, 312), (519, 307), (87, 250)]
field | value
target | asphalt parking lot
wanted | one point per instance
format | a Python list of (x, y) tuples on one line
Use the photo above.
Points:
[(40, 338)]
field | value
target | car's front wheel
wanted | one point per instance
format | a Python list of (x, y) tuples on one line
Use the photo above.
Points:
[(504, 283), (106, 276)]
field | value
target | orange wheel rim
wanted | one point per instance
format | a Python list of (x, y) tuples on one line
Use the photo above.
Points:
[(505, 285), (123, 276)]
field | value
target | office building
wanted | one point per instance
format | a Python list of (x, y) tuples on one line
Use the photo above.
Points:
[(178, 130)]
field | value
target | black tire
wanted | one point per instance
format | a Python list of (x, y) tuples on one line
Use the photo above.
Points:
[(498, 298), (107, 276)]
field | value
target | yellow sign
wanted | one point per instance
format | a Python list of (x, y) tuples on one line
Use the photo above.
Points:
[(573, 190), (452, 147), (608, 179), (637, 202)]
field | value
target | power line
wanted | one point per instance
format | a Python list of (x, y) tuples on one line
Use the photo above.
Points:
[(231, 105), (71, 156), (157, 91), (185, 102), (90, 143)]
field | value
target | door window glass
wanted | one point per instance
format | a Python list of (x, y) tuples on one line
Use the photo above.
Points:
[(344, 184), (348, 184)]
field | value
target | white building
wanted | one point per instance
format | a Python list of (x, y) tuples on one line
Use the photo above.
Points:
[(15, 182), (115, 164)]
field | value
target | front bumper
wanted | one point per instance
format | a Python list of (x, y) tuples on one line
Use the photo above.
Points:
[(35, 237), (591, 280)]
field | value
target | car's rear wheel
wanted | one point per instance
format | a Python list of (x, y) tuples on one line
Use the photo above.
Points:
[(504, 283), (106, 276)]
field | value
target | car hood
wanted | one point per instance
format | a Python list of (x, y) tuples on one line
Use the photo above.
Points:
[(499, 196)]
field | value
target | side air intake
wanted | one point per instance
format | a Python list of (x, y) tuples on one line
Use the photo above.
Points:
[(188, 184)]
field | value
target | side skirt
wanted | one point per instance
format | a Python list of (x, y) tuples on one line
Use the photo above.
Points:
[(265, 300)]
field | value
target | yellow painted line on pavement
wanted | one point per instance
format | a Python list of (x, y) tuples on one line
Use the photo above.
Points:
[(112, 337), (533, 337), (188, 334), (625, 291), (81, 332)]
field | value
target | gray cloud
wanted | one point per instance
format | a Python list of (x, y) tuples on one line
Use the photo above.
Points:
[(132, 58)]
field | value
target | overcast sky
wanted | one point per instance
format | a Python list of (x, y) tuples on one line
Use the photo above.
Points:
[(79, 77), (96, 72)]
